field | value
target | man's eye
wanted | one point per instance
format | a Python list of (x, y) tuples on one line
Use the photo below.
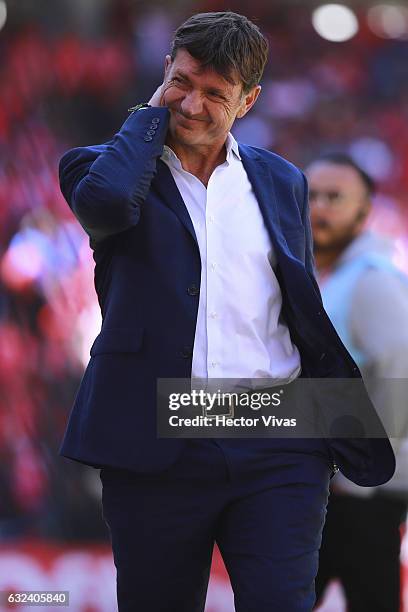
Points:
[(333, 196)]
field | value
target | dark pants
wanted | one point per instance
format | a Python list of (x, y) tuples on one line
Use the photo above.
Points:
[(361, 547), (262, 501)]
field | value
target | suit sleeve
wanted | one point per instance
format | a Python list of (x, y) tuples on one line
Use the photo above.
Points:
[(309, 258), (105, 185)]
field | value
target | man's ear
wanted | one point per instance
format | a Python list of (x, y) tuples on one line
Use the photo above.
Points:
[(364, 212), (167, 65), (361, 218), (248, 101)]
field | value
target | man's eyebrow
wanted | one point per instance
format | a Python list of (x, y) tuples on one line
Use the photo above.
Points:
[(180, 73), (185, 76)]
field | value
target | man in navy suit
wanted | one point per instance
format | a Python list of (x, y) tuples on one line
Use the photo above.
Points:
[(204, 270)]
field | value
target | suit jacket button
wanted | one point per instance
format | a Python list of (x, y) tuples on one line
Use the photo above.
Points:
[(150, 132), (186, 352), (155, 120), (147, 138), (193, 289), (154, 126)]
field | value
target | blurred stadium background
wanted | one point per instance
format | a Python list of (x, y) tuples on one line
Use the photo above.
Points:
[(336, 79)]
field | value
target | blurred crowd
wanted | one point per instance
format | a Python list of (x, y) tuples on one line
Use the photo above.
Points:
[(66, 88)]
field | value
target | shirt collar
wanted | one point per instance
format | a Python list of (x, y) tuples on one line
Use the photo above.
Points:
[(231, 147), (170, 157)]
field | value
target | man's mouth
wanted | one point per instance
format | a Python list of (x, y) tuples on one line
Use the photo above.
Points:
[(320, 224), (188, 120)]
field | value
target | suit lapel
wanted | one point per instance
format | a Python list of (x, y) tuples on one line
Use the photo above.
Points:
[(166, 186), (261, 179)]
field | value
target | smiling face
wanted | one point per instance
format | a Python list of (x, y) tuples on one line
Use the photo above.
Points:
[(203, 104)]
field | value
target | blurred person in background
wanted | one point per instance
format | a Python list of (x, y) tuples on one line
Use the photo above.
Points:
[(366, 297), (179, 214)]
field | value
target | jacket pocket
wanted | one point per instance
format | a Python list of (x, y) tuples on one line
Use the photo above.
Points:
[(118, 340)]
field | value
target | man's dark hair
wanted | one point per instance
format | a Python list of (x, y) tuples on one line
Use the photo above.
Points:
[(224, 42), (342, 159)]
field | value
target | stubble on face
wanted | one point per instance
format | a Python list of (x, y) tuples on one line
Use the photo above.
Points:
[(203, 105), (329, 238), (335, 228)]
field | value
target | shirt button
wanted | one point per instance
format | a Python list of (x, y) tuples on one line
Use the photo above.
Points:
[(211, 219), (213, 265), (213, 364), (213, 315)]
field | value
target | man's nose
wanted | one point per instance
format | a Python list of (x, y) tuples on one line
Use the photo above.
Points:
[(319, 201), (192, 104)]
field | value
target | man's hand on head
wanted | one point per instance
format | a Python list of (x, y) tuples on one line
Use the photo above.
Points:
[(157, 97)]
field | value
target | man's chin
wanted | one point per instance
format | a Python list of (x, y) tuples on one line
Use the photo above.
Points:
[(329, 245), (321, 240), (184, 136), (323, 243)]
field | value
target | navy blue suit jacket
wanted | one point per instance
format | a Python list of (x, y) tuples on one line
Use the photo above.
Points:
[(147, 278)]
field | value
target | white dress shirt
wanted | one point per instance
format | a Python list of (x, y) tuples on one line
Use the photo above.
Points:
[(240, 333)]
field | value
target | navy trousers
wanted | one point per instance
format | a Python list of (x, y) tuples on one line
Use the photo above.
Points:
[(263, 501), (361, 546)]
